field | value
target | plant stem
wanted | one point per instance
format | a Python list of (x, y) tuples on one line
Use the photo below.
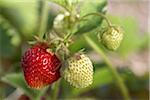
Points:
[(115, 74), (41, 93), (44, 19), (67, 37), (55, 90), (100, 15), (97, 14)]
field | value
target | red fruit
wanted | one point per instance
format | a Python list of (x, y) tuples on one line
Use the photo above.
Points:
[(40, 67)]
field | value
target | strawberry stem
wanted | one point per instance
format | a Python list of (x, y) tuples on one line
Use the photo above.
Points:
[(100, 15), (115, 74), (68, 36), (44, 19), (55, 90)]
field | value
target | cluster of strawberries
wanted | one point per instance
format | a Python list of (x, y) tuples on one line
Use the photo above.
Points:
[(42, 67)]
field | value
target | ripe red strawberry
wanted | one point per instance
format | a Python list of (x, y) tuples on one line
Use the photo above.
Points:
[(39, 66)]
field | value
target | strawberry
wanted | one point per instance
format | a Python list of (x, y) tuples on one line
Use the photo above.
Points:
[(40, 67), (112, 37), (78, 71)]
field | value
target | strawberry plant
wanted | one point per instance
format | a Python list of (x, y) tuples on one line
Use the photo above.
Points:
[(53, 64)]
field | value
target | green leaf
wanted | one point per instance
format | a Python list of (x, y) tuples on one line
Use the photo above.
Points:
[(17, 80), (65, 3), (22, 15), (10, 39), (60, 2), (90, 6), (6, 48), (80, 43)]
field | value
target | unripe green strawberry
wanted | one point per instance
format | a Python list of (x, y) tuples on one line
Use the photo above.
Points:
[(112, 37), (78, 71)]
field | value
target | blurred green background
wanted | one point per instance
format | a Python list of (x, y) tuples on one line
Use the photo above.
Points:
[(20, 20)]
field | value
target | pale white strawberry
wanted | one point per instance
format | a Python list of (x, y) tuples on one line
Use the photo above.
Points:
[(78, 71)]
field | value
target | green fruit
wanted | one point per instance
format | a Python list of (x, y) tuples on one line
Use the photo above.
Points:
[(111, 37), (78, 71)]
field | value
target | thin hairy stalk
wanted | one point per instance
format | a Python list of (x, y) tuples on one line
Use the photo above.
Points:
[(55, 91), (100, 15), (69, 35), (44, 19), (115, 74)]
